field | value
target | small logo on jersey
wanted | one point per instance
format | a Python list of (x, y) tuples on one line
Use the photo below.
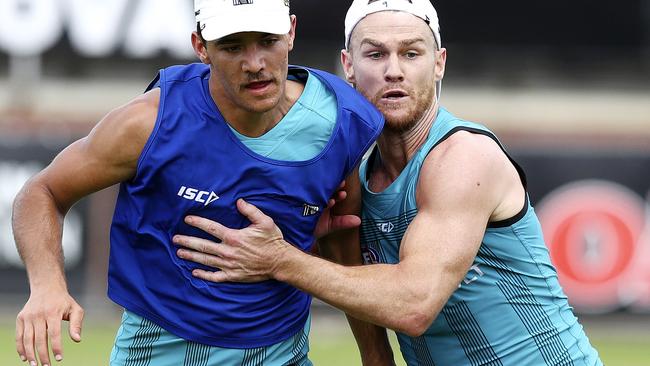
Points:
[(385, 227), (369, 255), (193, 194), (241, 2), (471, 277), (310, 210)]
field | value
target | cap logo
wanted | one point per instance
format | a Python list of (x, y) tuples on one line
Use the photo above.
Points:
[(241, 2), (385, 2)]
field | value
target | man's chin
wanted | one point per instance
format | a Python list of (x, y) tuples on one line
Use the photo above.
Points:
[(399, 124), (261, 105)]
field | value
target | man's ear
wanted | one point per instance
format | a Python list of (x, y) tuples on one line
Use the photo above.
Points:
[(346, 63), (200, 48), (441, 62), (292, 31)]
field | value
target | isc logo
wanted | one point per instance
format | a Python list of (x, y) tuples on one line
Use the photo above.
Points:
[(385, 227), (194, 194)]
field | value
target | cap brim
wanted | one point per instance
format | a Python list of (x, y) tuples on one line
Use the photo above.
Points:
[(226, 24)]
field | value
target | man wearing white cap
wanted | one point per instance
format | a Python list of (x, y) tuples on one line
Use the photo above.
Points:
[(240, 124), (457, 260)]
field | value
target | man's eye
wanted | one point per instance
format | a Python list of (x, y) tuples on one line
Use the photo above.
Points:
[(375, 55), (411, 55), (269, 41), (232, 49)]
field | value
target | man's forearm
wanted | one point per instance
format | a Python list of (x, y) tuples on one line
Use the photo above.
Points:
[(382, 294), (37, 227), (406, 296)]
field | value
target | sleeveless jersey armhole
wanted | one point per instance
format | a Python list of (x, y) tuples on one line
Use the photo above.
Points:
[(161, 106), (522, 175)]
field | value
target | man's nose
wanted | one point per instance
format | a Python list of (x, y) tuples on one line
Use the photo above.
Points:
[(394, 70), (253, 60)]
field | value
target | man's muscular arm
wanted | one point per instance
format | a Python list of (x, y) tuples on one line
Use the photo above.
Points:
[(464, 183), (108, 155)]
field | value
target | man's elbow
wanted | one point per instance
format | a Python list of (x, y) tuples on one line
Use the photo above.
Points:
[(418, 321)]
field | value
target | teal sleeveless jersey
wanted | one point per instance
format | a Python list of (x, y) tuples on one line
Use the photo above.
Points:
[(509, 309)]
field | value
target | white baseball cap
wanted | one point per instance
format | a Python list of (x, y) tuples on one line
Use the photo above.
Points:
[(422, 9), (219, 18)]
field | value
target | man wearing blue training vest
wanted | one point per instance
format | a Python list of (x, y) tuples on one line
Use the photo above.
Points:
[(457, 264), (240, 124)]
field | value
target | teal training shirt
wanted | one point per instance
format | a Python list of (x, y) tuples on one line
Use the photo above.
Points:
[(509, 309), (305, 130)]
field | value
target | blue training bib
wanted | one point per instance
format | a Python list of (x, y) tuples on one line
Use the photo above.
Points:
[(193, 164)]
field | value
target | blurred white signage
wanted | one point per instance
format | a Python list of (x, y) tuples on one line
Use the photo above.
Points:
[(13, 175), (96, 28)]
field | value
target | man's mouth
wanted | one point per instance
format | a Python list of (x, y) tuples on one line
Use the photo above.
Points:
[(257, 85), (395, 94)]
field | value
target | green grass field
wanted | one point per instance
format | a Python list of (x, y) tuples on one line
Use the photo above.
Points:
[(331, 344)]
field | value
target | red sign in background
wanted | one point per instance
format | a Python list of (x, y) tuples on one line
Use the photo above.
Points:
[(597, 233)]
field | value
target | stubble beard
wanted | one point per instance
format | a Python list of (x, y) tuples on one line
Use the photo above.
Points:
[(405, 121)]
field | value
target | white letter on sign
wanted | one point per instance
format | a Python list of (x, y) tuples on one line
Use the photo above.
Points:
[(161, 25), (29, 27), (95, 26)]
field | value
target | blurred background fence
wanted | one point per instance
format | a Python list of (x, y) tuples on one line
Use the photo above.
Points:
[(565, 84)]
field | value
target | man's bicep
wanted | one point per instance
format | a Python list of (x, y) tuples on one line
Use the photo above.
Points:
[(457, 192), (436, 252), (75, 173), (454, 200), (108, 155)]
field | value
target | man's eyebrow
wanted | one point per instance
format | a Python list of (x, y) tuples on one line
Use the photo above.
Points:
[(408, 42), (227, 40), (238, 39), (371, 42), (402, 43)]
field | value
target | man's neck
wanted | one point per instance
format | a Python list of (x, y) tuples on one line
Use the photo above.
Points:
[(396, 149)]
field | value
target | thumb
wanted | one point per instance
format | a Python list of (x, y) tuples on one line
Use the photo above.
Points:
[(344, 222), (76, 320)]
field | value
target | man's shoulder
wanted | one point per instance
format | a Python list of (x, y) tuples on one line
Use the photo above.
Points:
[(455, 123), (451, 133), (467, 142), (185, 72), (331, 81), (137, 118)]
